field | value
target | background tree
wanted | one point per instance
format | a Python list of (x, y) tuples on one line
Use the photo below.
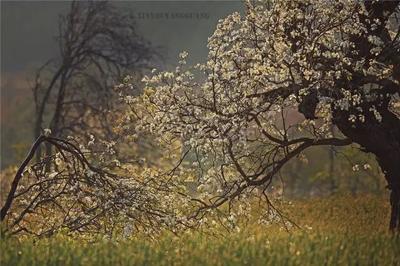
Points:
[(98, 45), (335, 62)]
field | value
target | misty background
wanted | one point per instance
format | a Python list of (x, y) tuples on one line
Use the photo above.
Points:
[(28, 30)]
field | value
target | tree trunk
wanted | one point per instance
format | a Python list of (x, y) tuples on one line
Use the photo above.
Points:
[(36, 133), (390, 165), (395, 212), (382, 138)]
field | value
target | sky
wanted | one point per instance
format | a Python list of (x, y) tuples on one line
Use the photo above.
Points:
[(27, 41)]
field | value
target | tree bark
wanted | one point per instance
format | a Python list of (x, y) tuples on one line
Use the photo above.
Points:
[(390, 165), (395, 210)]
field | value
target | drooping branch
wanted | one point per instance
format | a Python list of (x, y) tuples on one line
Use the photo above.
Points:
[(18, 176)]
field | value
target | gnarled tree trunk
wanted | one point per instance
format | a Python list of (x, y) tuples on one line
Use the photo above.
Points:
[(382, 138)]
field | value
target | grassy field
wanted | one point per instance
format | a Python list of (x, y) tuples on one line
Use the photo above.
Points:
[(335, 231)]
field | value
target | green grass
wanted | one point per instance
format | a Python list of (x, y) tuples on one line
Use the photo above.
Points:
[(346, 231)]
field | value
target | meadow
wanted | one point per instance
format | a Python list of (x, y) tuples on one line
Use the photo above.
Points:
[(336, 230)]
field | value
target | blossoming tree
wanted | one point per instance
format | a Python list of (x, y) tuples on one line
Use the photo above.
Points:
[(275, 83), (335, 62)]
